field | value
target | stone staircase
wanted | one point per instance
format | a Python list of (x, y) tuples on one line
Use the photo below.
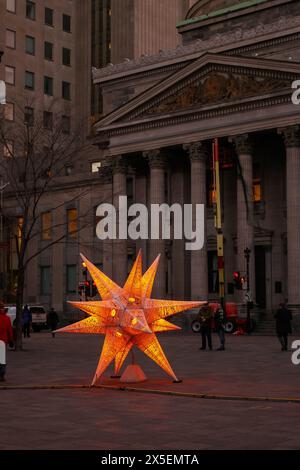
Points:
[(265, 323)]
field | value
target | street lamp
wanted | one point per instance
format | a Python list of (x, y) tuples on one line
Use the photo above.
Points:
[(247, 254), (86, 282)]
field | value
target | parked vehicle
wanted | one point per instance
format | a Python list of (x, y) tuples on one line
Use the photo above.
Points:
[(38, 313), (233, 322), (11, 313)]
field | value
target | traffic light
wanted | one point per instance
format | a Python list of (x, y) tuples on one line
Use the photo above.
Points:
[(81, 288), (87, 289), (94, 290), (238, 280)]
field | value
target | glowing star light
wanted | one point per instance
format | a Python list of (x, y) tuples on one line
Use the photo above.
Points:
[(128, 317)]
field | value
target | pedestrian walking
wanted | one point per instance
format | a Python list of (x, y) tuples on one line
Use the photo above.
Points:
[(283, 318), (26, 321), (205, 318), (220, 327), (52, 321), (6, 336)]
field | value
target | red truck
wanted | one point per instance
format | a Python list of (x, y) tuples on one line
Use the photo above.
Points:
[(233, 322)]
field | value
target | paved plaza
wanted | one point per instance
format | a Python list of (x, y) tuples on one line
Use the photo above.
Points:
[(105, 419)]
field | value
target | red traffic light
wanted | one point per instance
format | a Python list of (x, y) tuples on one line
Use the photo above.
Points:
[(238, 280)]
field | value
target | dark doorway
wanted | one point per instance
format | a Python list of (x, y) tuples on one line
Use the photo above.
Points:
[(260, 275)]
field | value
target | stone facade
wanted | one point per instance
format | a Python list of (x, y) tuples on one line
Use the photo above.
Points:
[(230, 81)]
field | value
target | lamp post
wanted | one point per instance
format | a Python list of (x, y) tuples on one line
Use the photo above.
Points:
[(247, 254), (85, 274)]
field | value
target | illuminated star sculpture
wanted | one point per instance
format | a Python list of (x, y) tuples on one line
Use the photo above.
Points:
[(128, 317)]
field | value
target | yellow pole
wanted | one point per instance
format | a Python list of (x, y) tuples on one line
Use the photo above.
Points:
[(218, 221)]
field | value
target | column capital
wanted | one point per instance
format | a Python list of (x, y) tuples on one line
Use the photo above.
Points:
[(119, 164), (198, 151), (242, 144), (106, 171), (291, 136), (155, 158)]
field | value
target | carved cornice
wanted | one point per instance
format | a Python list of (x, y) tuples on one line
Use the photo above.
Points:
[(198, 115), (291, 136), (197, 151), (156, 159), (217, 41)]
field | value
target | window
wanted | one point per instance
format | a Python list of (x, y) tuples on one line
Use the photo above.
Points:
[(72, 223), (30, 45), (66, 56), (48, 120), (257, 190), (29, 80), (95, 166), (45, 280), (210, 194), (66, 90), (66, 124), (48, 16), (20, 230), (46, 225), (69, 170), (11, 5), (48, 50), (71, 279), (10, 39), (9, 111), (213, 275), (9, 75), (8, 149), (66, 23), (48, 86), (29, 116), (30, 10)]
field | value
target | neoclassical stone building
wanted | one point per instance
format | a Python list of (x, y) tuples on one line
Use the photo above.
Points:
[(230, 79)]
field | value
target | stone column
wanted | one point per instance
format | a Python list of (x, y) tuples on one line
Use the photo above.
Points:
[(292, 144), (141, 198), (178, 246), (120, 258), (106, 180), (245, 221), (198, 153), (157, 163)]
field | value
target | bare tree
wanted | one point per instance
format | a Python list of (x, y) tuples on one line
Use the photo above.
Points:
[(36, 150)]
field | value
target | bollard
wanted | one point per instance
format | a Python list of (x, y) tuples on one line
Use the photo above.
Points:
[(2, 353), (2, 360)]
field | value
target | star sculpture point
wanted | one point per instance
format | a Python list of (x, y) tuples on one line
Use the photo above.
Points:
[(128, 317)]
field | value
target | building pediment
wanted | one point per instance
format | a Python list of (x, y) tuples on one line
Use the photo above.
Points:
[(218, 87), (213, 80)]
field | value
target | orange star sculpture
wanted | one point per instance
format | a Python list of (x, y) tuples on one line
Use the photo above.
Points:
[(128, 317)]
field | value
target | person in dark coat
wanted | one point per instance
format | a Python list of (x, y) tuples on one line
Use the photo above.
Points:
[(205, 317), (219, 319), (52, 321), (26, 321), (283, 318), (6, 335)]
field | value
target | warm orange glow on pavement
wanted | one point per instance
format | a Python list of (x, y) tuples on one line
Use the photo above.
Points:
[(128, 317)]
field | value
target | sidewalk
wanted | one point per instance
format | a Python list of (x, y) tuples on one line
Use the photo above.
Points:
[(108, 419)]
